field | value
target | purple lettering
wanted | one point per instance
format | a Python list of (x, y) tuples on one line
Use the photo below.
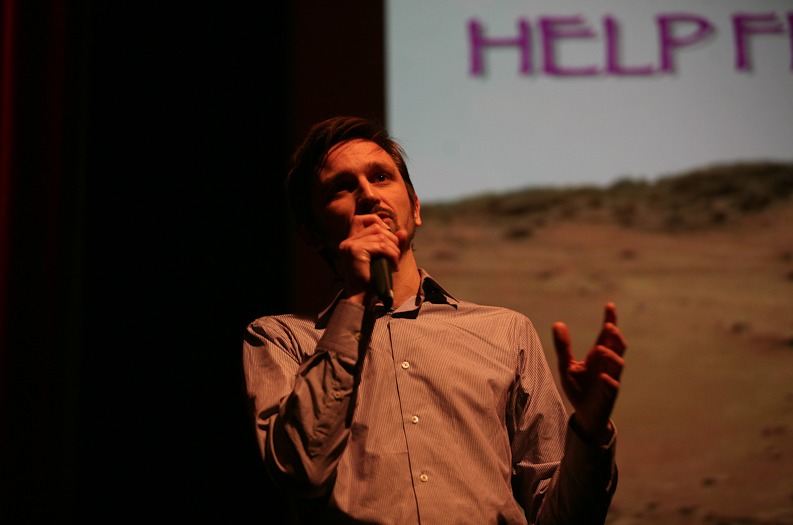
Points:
[(478, 42), (744, 25), (790, 34), (669, 42), (552, 29), (675, 31), (613, 64)]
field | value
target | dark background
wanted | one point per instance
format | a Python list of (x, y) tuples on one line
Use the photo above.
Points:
[(143, 225)]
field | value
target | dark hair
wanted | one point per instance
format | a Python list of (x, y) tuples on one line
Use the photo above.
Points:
[(310, 156)]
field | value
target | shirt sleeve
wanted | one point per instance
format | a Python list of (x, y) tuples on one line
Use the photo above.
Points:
[(584, 485), (301, 407), (557, 477)]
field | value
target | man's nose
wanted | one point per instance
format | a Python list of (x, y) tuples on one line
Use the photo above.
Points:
[(367, 197)]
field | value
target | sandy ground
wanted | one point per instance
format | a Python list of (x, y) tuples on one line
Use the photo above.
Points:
[(705, 414)]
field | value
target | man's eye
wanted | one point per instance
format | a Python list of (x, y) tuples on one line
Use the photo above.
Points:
[(342, 187), (381, 177)]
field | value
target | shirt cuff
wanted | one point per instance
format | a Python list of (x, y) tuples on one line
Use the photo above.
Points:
[(344, 330), (589, 464)]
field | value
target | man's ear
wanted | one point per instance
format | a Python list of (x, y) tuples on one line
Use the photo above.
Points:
[(416, 211)]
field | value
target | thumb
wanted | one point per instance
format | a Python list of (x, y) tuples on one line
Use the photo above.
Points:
[(561, 342)]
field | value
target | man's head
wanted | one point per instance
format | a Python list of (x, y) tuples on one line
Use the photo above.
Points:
[(354, 142)]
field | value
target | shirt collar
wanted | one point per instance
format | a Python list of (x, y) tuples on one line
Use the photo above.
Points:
[(429, 290)]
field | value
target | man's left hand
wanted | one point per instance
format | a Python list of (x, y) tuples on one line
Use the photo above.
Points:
[(592, 385)]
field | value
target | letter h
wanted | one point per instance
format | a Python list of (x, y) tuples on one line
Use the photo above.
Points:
[(478, 42)]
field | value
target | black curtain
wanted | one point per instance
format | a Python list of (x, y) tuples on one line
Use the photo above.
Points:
[(142, 226)]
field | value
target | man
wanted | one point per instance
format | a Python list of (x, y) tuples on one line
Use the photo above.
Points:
[(435, 410)]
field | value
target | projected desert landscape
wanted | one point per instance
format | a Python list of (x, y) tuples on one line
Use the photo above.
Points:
[(700, 266)]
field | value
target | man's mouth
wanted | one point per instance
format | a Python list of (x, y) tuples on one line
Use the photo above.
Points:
[(387, 217)]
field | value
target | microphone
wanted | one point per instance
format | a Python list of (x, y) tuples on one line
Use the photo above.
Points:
[(381, 278)]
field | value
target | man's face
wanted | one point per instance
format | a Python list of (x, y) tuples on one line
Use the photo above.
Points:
[(360, 178)]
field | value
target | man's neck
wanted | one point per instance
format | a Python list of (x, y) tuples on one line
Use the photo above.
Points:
[(406, 280)]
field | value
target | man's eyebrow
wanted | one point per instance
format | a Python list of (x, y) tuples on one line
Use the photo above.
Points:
[(374, 165), (379, 165)]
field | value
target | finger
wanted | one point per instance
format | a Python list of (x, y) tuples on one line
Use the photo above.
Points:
[(373, 239), (611, 337), (402, 237), (609, 317), (561, 342), (374, 233), (359, 223), (614, 340), (603, 360), (610, 313), (603, 335), (611, 382)]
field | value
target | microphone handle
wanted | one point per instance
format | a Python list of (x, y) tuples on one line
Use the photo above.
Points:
[(381, 278)]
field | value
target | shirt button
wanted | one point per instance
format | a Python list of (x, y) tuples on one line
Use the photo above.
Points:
[(405, 365), (424, 477), (336, 394), (414, 419)]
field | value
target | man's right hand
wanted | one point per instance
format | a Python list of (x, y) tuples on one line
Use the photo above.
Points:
[(369, 237)]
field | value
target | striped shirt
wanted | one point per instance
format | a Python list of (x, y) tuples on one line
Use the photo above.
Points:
[(439, 411)]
